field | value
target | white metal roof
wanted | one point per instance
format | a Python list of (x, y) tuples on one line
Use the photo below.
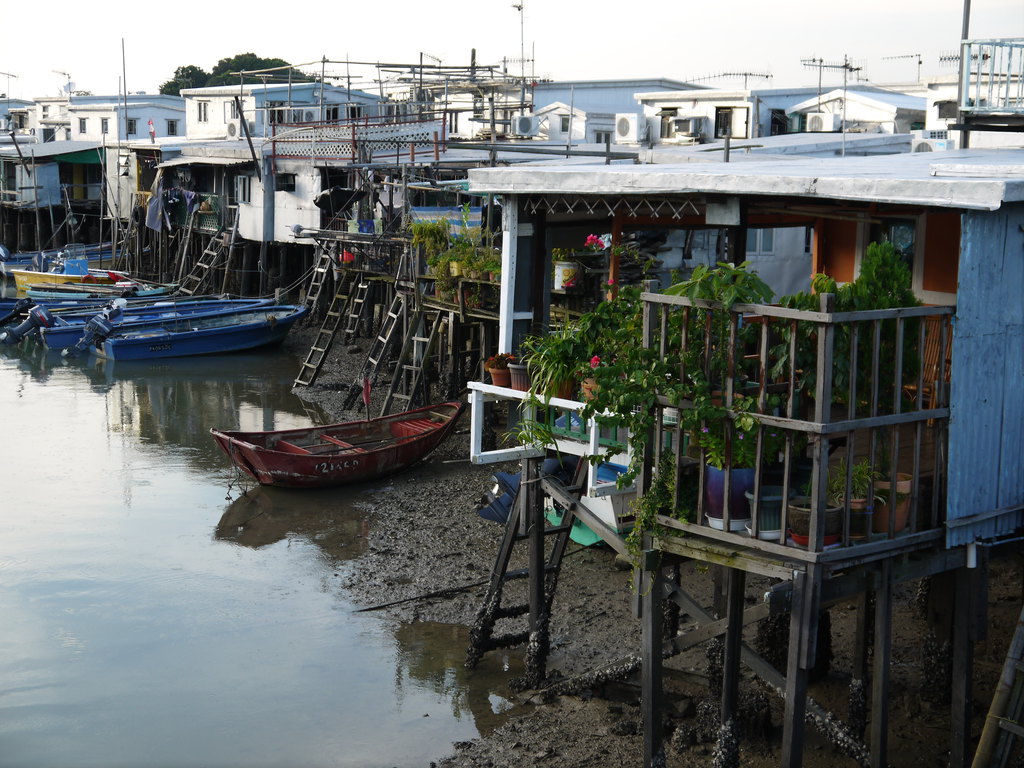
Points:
[(978, 179)]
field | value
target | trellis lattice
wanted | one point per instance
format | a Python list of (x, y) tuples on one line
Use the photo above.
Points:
[(635, 207), (343, 140)]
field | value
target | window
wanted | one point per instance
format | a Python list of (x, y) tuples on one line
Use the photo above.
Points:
[(760, 242), (232, 110), (563, 123), (284, 182), (104, 125), (331, 113), (723, 122), (203, 108), (46, 110), (353, 111), (82, 125), (172, 127), (67, 134), (779, 123), (243, 189), (131, 126), (603, 137)]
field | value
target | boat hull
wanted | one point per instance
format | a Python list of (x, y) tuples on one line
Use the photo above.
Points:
[(211, 336), (71, 328), (339, 454)]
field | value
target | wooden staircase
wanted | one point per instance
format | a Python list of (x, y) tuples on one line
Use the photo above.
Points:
[(1003, 734)]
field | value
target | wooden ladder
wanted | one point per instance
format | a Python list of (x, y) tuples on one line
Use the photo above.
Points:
[(1003, 723), (328, 331), (321, 270), (408, 385), (210, 258), (357, 308), (378, 353), (482, 637)]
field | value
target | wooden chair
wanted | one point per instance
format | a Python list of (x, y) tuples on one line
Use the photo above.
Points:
[(930, 361)]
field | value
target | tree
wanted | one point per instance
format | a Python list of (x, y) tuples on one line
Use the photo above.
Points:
[(222, 72), (188, 76)]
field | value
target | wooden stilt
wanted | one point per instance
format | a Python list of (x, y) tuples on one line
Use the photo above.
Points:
[(736, 581), (883, 657), (533, 513), (651, 704), (803, 632), (970, 598), (857, 714)]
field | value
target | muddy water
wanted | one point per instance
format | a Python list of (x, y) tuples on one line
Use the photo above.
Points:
[(152, 616)]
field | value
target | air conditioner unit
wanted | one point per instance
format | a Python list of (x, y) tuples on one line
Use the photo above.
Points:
[(232, 129), (687, 127), (309, 115), (525, 125), (931, 134), (932, 145), (630, 127), (822, 121)]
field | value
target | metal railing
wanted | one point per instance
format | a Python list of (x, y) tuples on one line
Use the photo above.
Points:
[(992, 76)]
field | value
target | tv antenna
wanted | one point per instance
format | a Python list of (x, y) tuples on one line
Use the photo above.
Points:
[(744, 75), (847, 66), (916, 56), (67, 86)]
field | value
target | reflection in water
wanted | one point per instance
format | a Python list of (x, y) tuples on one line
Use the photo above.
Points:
[(433, 655), (326, 517), (132, 632)]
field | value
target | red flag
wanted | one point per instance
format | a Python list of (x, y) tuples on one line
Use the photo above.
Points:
[(366, 391)]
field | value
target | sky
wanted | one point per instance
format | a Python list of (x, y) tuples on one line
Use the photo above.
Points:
[(62, 41)]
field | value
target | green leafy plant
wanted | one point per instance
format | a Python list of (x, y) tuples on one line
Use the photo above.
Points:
[(744, 428), (861, 478)]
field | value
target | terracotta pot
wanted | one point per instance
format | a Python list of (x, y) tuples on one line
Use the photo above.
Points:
[(563, 389), (519, 377), (500, 377), (455, 268), (880, 524)]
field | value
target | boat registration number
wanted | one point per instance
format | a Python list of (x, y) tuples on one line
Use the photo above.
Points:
[(327, 467), (159, 347)]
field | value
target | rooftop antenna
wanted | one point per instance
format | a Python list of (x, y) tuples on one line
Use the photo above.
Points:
[(8, 94), (916, 56), (522, 57), (847, 66), (744, 75), (67, 86)]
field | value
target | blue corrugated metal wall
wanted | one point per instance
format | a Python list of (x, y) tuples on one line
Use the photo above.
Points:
[(986, 430)]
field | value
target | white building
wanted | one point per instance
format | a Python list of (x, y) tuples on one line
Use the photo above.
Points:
[(212, 113)]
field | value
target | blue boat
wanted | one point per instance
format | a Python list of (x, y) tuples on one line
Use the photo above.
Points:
[(43, 260), (69, 327), (249, 329)]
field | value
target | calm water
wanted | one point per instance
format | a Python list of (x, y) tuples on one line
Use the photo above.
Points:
[(148, 620)]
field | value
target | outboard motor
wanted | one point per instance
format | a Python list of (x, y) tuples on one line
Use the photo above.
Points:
[(19, 309), (38, 317), (98, 328)]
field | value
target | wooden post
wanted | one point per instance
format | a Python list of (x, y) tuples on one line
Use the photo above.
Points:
[(803, 632), (533, 514), (970, 598), (651, 705), (883, 656), (736, 581), (857, 716)]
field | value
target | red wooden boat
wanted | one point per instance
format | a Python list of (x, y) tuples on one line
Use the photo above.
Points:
[(335, 454)]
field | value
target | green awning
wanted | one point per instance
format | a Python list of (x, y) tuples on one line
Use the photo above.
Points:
[(85, 157)]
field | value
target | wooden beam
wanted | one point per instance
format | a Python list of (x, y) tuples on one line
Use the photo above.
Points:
[(651, 699), (882, 664)]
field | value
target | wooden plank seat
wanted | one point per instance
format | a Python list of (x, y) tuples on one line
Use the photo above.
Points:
[(412, 427), (342, 444), (285, 447)]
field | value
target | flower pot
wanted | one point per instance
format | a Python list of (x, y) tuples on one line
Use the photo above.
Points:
[(769, 512), (566, 274), (800, 521), (563, 389), (883, 488), (519, 377), (455, 268), (500, 377), (860, 519), (589, 388), (742, 480)]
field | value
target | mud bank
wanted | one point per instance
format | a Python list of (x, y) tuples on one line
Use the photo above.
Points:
[(425, 537)]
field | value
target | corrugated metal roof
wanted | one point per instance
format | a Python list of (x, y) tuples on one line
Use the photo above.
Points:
[(203, 160), (51, 149), (911, 178)]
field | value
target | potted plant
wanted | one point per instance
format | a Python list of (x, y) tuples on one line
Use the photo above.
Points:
[(887, 506), (554, 360), (859, 498), (497, 366)]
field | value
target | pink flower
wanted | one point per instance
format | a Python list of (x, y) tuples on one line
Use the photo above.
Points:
[(595, 361), (611, 282)]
